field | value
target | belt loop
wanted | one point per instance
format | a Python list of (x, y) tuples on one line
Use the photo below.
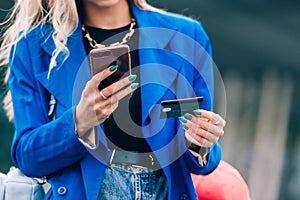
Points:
[(152, 160), (112, 156)]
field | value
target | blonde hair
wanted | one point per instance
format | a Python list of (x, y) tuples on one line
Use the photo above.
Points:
[(25, 14)]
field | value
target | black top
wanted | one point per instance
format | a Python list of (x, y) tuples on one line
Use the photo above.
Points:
[(123, 128)]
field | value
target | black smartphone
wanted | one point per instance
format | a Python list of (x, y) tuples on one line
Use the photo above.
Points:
[(178, 107), (102, 58)]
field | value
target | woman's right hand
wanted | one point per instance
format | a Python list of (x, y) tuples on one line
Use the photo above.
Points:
[(94, 108)]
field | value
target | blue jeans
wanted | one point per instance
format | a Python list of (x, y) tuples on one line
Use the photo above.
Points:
[(132, 182)]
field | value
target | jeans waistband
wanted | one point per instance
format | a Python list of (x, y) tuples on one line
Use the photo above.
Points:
[(147, 160)]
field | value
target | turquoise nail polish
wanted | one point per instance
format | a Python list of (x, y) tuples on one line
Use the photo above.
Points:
[(188, 116), (132, 77), (182, 119), (185, 127), (197, 112), (113, 68), (134, 85)]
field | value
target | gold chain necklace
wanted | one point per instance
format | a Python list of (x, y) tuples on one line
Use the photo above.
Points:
[(95, 45)]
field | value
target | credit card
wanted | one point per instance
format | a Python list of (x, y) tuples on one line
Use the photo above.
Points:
[(178, 107)]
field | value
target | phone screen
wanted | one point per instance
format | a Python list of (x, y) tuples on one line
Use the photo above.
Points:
[(106, 57)]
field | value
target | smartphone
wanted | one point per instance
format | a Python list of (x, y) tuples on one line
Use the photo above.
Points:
[(178, 107), (102, 58)]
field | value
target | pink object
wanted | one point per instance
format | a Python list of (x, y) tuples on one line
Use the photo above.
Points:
[(224, 183)]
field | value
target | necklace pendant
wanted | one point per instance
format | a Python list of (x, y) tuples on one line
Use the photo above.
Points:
[(95, 45), (98, 46)]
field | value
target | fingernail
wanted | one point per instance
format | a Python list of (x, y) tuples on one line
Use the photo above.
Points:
[(113, 68), (197, 112), (182, 119), (185, 127), (188, 116), (134, 85), (132, 77)]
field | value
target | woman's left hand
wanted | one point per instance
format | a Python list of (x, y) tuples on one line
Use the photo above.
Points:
[(203, 128)]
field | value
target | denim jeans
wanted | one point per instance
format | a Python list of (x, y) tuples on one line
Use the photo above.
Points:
[(122, 182)]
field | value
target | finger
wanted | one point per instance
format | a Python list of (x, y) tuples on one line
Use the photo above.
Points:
[(198, 140), (198, 130), (104, 111), (204, 124), (117, 86), (206, 121), (92, 85), (211, 117), (212, 128), (124, 92), (96, 79), (114, 106)]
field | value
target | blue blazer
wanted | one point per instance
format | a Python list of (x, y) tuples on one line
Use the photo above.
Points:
[(175, 63)]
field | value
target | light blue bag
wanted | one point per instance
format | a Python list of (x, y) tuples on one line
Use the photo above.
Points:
[(2, 179), (15, 185)]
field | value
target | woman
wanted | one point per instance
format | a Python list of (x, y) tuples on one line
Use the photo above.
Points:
[(112, 143)]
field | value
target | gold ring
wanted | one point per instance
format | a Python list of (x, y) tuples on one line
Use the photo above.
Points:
[(102, 95)]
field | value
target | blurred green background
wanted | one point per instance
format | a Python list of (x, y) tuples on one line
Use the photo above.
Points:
[(6, 128), (256, 47)]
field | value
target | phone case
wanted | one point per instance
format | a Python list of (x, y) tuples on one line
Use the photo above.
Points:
[(106, 57)]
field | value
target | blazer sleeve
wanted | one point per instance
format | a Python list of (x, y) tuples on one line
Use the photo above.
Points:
[(40, 146), (203, 85)]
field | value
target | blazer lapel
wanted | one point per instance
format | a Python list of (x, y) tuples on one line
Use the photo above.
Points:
[(156, 70), (73, 70)]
